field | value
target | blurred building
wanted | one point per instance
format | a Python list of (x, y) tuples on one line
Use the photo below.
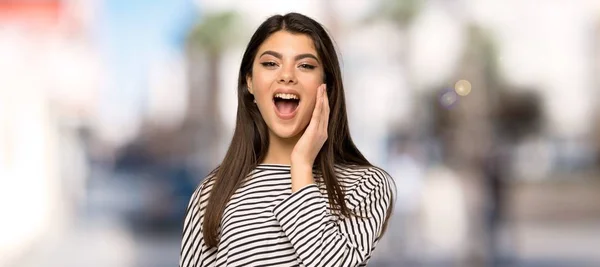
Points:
[(47, 89)]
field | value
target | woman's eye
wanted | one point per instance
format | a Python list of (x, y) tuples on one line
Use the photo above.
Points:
[(307, 66), (269, 64)]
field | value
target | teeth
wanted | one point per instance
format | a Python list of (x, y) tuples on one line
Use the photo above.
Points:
[(286, 96)]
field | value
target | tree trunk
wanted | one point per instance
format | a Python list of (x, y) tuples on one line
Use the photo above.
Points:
[(213, 124)]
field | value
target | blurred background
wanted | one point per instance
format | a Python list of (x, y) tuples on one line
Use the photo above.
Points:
[(486, 113)]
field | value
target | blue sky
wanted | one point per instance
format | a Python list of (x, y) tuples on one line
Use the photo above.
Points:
[(131, 35)]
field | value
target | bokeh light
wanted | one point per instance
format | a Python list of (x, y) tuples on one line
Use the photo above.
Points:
[(462, 87), (448, 98)]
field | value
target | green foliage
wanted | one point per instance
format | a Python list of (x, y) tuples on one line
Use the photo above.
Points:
[(215, 31), (401, 12)]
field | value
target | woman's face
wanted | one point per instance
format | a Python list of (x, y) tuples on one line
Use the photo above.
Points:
[(285, 76)]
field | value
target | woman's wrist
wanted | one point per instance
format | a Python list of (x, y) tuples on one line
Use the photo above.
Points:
[(301, 164), (301, 175)]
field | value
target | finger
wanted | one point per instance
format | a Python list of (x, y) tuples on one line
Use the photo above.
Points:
[(325, 113), (325, 100), (318, 106)]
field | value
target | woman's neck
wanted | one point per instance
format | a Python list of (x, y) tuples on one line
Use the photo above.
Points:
[(280, 149)]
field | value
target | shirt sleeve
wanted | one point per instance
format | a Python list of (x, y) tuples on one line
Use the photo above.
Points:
[(190, 226), (321, 239), (194, 252)]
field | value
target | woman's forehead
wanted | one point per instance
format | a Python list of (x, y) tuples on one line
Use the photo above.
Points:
[(288, 44)]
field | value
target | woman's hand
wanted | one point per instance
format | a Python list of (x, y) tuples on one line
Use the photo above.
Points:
[(315, 135)]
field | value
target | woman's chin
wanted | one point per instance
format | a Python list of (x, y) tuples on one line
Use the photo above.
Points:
[(286, 132)]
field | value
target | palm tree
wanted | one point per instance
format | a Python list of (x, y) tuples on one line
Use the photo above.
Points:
[(401, 12), (207, 42)]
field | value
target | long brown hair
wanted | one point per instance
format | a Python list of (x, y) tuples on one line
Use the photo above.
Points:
[(251, 139)]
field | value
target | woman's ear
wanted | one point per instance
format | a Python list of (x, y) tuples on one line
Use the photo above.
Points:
[(249, 84)]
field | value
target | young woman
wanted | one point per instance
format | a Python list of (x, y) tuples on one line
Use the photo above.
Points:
[(293, 189)]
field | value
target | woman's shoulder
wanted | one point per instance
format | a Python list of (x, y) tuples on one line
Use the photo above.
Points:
[(208, 181), (204, 186), (363, 178), (366, 186), (360, 173)]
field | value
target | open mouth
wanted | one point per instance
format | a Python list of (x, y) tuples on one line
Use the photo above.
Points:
[(286, 104)]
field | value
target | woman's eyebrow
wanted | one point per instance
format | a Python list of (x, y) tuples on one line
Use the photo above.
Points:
[(298, 57)]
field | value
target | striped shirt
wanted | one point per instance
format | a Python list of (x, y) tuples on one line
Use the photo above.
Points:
[(265, 224)]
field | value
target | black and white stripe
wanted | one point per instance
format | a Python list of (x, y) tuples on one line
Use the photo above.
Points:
[(264, 224)]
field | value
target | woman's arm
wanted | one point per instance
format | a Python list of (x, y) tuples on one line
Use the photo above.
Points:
[(191, 229), (194, 252), (322, 240)]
